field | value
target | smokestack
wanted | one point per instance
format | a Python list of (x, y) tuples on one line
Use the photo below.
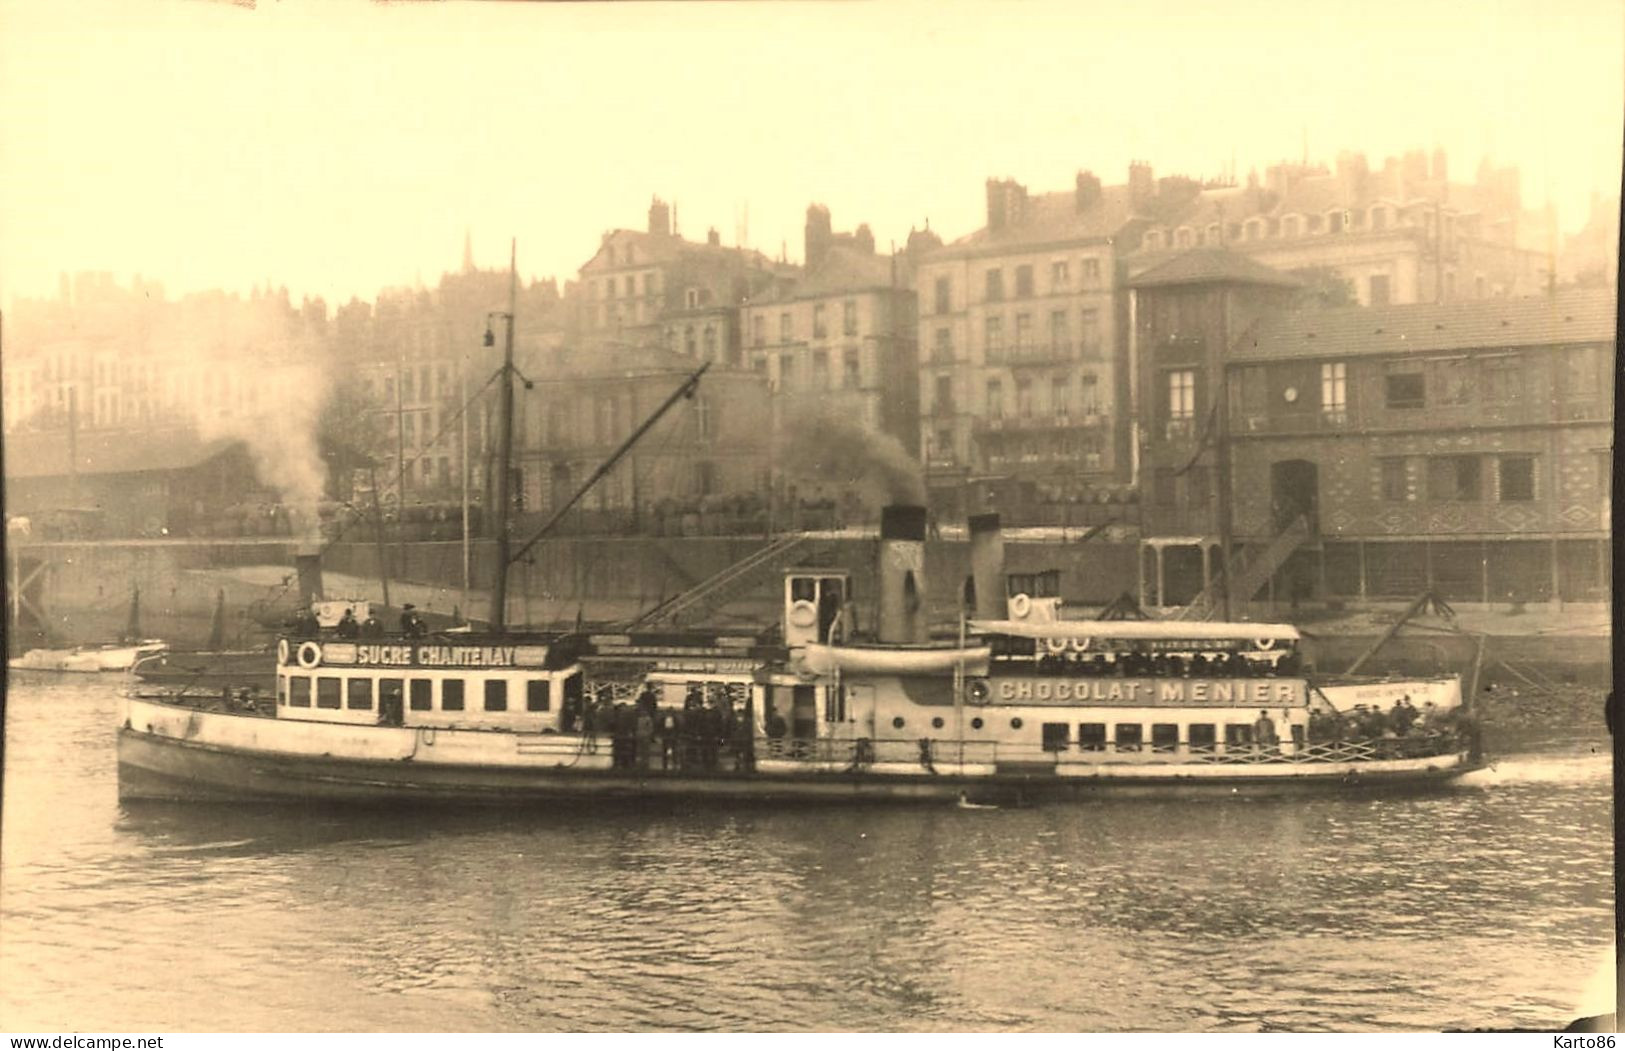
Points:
[(307, 560), (902, 574), (987, 567)]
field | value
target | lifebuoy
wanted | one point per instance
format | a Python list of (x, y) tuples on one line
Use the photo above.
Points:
[(282, 651), (1264, 644), (1078, 645), (1055, 645), (977, 691), (1020, 606), (803, 614), (310, 654)]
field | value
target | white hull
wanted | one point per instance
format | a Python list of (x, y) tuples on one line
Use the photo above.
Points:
[(88, 659)]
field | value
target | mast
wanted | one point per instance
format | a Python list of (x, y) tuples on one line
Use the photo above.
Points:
[(499, 589), (462, 396), (1222, 451)]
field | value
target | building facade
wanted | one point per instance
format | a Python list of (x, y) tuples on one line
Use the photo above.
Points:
[(1021, 359)]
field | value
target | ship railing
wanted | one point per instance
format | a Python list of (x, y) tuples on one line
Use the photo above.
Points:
[(1419, 746), (931, 753)]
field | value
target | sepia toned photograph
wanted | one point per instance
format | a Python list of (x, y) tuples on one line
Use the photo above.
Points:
[(808, 517)]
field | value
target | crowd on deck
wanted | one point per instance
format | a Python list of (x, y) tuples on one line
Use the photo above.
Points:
[(1223, 665), (704, 734)]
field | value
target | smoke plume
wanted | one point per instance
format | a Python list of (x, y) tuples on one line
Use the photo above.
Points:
[(837, 449)]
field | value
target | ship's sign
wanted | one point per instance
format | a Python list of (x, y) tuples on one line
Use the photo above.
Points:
[(1148, 693), (433, 655)]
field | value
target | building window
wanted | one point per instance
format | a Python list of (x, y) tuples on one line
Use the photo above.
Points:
[(1502, 375), (1024, 331), (691, 298), (995, 286), (1379, 294), (853, 370), (944, 350), (1091, 394), (1517, 478), (421, 692), (849, 317), (1024, 281), (1334, 403), (994, 338), (785, 331), (703, 424), (710, 343), (943, 403), (1024, 397), (1405, 387), (995, 399), (1394, 478), (538, 695), (818, 321), (299, 691), (944, 300), (496, 695), (758, 330), (1060, 340), (1453, 478), (787, 371), (451, 695), (820, 370), (1060, 275), (1060, 395), (631, 286), (1184, 237), (1182, 395), (1450, 381), (1089, 332), (360, 694)]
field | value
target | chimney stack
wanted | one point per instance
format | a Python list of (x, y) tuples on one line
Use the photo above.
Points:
[(987, 567), (659, 218), (1141, 187), (818, 235), (307, 560), (713, 238), (902, 574), (1087, 191)]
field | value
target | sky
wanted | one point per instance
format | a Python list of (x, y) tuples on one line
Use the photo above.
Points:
[(337, 148)]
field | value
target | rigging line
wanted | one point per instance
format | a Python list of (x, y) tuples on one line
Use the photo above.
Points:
[(1201, 439)]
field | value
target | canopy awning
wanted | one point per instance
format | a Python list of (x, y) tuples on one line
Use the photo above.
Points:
[(1203, 630)]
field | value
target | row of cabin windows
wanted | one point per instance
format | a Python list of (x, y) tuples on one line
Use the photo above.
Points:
[(357, 694), (1130, 737)]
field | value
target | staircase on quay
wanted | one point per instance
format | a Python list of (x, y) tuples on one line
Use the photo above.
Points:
[(715, 592), (1248, 575)]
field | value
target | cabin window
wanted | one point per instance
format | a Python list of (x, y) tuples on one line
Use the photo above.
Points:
[(976, 724), (360, 694), (328, 691), (451, 695), (496, 695), (1091, 737), (897, 723), (1203, 737), (1238, 735), (390, 692), (422, 691), (538, 695), (936, 723), (282, 690), (1129, 737), (1054, 737), (299, 691), (1164, 737)]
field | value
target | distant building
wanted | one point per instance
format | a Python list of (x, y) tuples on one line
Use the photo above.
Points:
[(1462, 448), (123, 484), (841, 332), (1021, 358), (1404, 234)]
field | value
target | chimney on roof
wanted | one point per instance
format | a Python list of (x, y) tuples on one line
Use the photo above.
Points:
[(1141, 186), (865, 239), (659, 218), (1006, 203), (713, 238), (1087, 190), (817, 235)]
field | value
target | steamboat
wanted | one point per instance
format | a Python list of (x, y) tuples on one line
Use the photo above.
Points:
[(845, 698)]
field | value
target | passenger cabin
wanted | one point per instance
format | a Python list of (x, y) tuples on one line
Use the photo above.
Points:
[(456, 681)]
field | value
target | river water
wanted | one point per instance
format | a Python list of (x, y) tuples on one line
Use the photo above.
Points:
[(1485, 905)]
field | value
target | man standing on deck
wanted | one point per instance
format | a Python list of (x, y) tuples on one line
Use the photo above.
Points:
[(1264, 731)]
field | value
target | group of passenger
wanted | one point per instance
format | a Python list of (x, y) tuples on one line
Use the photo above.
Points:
[(305, 625), (697, 736), (1368, 722), (1169, 665)]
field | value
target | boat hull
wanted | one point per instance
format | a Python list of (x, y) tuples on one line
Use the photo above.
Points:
[(169, 753)]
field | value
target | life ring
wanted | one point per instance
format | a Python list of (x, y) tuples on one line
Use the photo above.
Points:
[(977, 691), (282, 651), (803, 614), (1055, 645), (1020, 606), (1078, 645), (1264, 644), (310, 654)]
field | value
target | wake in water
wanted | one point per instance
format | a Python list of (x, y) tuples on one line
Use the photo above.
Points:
[(1542, 770)]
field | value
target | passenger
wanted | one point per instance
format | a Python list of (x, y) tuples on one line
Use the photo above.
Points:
[(1430, 718), (411, 623), (668, 729), (1402, 716), (643, 736), (623, 744), (1264, 736), (305, 623), (1199, 666), (348, 626), (776, 729), (1287, 732), (370, 628)]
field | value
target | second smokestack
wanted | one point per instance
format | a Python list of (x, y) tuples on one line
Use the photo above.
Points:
[(987, 567), (902, 574)]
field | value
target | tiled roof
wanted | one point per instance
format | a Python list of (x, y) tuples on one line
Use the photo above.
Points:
[(1208, 265), (45, 455), (1576, 316), (842, 270)]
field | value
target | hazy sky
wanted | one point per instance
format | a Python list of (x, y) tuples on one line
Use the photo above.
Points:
[(340, 148)]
